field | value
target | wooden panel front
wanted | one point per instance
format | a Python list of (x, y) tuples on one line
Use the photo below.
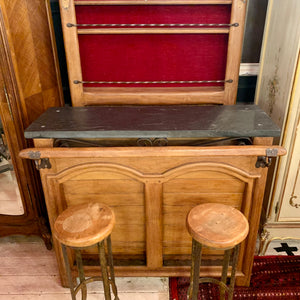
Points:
[(151, 191), (184, 192), (122, 193)]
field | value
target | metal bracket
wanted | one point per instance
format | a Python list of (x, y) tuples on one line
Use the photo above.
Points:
[(34, 154), (42, 163), (265, 161)]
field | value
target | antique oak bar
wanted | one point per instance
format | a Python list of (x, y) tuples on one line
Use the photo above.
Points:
[(195, 154)]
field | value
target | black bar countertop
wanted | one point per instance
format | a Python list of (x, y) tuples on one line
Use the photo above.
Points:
[(180, 121)]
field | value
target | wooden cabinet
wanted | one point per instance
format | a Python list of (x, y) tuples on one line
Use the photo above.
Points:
[(29, 84), (279, 95), (151, 189)]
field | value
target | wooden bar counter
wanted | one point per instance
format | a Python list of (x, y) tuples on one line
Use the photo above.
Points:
[(195, 154)]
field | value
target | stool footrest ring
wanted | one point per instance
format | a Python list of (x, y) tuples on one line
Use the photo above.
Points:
[(86, 281), (215, 281), (89, 280)]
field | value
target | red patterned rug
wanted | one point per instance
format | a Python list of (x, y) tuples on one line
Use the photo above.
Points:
[(273, 277)]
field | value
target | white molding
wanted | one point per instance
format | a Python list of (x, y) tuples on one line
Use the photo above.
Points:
[(249, 69)]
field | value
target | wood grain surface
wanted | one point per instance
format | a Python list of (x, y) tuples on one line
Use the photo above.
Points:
[(217, 225), (84, 225), (151, 190)]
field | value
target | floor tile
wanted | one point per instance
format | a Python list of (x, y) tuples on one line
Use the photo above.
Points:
[(284, 247)]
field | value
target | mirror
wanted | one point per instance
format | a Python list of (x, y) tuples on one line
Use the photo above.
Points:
[(10, 198)]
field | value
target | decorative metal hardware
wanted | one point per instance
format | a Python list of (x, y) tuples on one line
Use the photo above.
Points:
[(42, 163), (8, 102), (157, 142), (264, 235), (69, 143), (151, 25), (272, 152), (264, 241), (292, 202), (154, 82), (34, 154), (160, 142), (265, 161), (144, 142)]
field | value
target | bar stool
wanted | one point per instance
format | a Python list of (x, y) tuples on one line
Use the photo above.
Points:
[(82, 226), (220, 227)]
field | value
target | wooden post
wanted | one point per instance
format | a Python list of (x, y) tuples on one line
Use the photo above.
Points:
[(235, 42), (153, 211)]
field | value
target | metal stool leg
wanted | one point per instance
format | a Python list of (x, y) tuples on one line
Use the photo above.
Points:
[(233, 271), (111, 267), (224, 272), (102, 257), (195, 270), (68, 269), (81, 274)]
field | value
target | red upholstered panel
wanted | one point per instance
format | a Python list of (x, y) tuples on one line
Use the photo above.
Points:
[(110, 14), (153, 57)]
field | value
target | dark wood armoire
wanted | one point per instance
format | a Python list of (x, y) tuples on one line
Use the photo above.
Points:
[(29, 84)]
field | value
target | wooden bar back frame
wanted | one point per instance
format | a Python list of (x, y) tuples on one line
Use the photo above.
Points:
[(85, 95)]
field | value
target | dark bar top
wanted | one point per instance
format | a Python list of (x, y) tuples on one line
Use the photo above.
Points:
[(180, 121)]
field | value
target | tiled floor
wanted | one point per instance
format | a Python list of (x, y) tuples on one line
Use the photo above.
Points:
[(283, 247)]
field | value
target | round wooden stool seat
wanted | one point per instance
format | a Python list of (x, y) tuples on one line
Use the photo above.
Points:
[(217, 226), (84, 225)]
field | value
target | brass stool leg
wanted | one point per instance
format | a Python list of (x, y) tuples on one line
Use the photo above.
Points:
[(102, 257), (195, 269), (224, 272), (233, 271), (68, 269), (111, 267), (81, 274)]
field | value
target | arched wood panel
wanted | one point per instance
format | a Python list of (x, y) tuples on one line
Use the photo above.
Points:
[(151, 209), (196, 184)]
